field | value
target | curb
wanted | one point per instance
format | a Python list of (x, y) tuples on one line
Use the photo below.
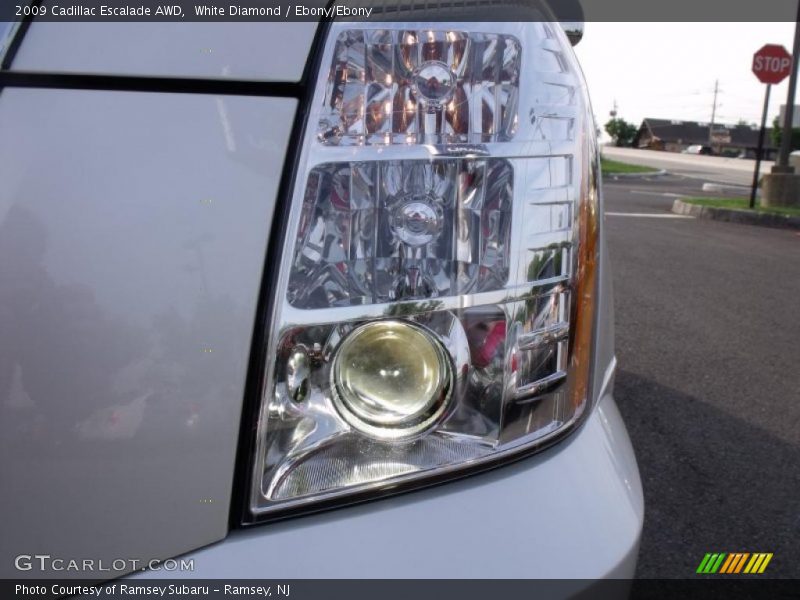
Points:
[(733, 215), (728, 187), (635, 175)]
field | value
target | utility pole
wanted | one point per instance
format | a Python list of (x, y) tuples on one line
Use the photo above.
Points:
[(781, 187), (613, 112), (713, 114), (782, 165)]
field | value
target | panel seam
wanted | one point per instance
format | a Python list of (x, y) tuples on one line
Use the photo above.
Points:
[(141, 83)]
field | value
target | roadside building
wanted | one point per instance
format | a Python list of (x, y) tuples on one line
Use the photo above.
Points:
[(677, 136)]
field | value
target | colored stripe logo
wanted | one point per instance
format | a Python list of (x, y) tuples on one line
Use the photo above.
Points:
[(734, 563)]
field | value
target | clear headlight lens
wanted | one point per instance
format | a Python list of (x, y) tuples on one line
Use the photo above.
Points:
[(435, 302)]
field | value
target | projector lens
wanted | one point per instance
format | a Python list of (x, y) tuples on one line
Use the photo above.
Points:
[(392, 379)]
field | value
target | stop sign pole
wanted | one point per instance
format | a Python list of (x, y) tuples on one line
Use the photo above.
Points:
[(771, 64), (760, 149)]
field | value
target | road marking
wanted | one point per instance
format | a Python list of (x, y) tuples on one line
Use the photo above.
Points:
[(709, 178), (647, 193), (725, 187), (649, 215)]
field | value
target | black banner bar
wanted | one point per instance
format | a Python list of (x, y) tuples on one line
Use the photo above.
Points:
[(393, 10), (706, 587)]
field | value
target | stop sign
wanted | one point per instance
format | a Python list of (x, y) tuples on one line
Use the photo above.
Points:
[(772, 63)]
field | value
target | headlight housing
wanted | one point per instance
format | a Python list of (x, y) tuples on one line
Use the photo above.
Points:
[(434, 305)]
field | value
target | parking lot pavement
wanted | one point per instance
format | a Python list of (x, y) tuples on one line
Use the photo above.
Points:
[(708, 323)]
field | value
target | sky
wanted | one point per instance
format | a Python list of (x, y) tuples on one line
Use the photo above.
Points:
[(668, 70)]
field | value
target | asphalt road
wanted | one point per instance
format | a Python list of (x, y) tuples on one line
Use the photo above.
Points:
[(708, 342)]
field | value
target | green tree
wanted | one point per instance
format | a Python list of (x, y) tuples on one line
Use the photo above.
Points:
[(776, 133), (621, 131)]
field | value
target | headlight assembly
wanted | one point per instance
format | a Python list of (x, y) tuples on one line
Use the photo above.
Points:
[(434, 305)]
